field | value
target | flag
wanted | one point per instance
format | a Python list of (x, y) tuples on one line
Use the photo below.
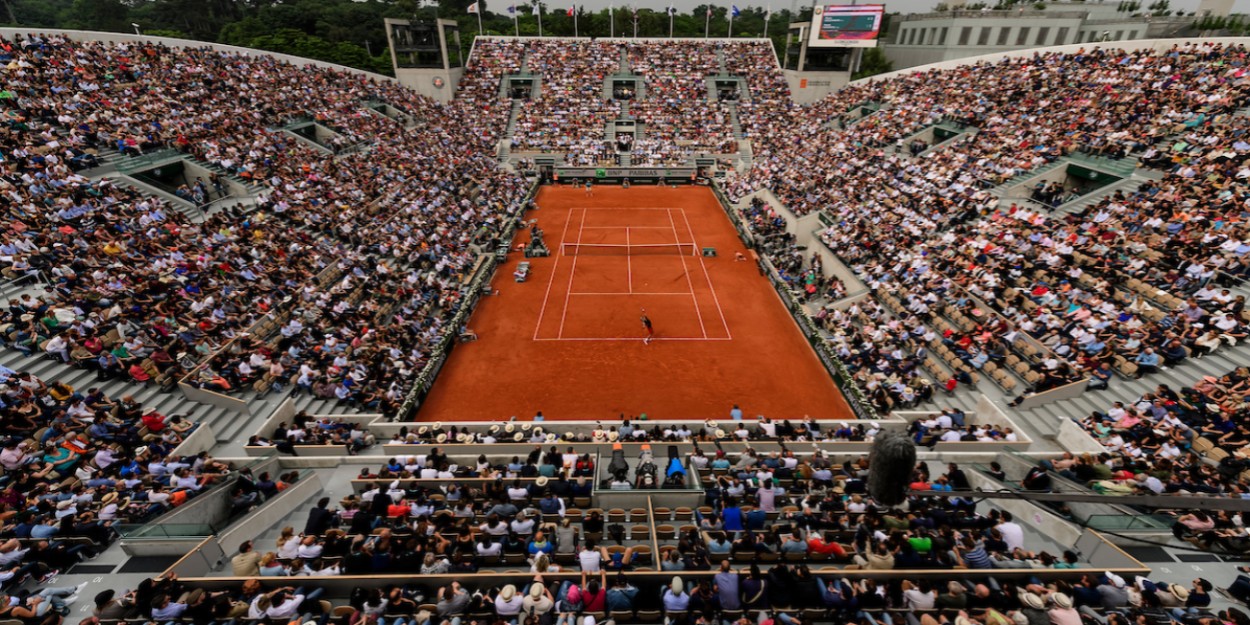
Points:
[(768, 13), (512, 9), (473, 8), (709, 10), (736, 12), (672, 10), (572, 10)]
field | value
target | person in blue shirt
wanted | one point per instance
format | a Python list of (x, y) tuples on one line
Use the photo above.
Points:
[(732, 516), (540, 544), (1100, 377), (674, 597), (1147, 362), (621, 595), (735, 413)]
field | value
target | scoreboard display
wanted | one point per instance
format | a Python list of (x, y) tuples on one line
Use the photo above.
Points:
[(846, 26)]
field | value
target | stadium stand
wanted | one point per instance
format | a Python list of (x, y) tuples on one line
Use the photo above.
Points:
[(335, 283)]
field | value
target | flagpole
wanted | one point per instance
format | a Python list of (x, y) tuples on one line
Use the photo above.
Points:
[(516, 25), (538, 10), (479, 21), (707, 22), (575, 31), (670, 20), (767, 16), (612, 20), (731, 25)]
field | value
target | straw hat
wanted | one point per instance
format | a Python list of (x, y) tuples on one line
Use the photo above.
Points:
[(541, 481), (109, 498), (441, 438), (568, 436), (520, 436), (525, 427), (719, 433), (536, 591), (423, 430), (613, 436), (1061, 600), (677, 586), (437, 425), (710, 424), (509, 428), (462, 437), (1032, 600), (1180, 592), (551, 438), (494, 429), (507, 592), (1115, 580), (1019, 618)]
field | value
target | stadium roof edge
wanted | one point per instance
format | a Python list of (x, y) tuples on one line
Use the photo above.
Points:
[(622, 39), (107, 37), (1131, 45)]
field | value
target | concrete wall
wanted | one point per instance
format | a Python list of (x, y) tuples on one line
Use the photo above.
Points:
[(1139, 44), (425, 81), (272, 512), (1040, 519), (201, 439), (1072, 437), (810, 87)]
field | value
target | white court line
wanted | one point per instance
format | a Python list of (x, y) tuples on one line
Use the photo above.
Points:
[(619, 227), (686, 272), (568, 218), (625, 208), (629, 264), (659, 339), (572, 271), (630, 293), (708, 277)]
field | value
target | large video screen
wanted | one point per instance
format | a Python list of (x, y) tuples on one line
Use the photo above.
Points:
[(843, 26)]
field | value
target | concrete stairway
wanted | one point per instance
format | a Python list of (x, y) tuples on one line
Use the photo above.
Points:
[(1127, 185), (1127, 389), (182, 206), (505, 144), (733, 120), (624, 68), (227, 425)]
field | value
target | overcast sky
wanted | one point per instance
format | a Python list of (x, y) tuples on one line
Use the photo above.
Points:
[(891, 6)]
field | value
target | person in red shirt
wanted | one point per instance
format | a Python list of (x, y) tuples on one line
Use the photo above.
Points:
[(153, 421), (825, 544), (397, 510)]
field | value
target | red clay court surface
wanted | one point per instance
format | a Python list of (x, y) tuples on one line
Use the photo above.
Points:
[(568, 341)]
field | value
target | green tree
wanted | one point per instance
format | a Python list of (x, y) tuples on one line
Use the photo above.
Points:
[(872, 63), (107, 15)]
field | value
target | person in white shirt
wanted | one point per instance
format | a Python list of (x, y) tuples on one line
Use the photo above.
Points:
[(1011, 531), (309, 548), (589, 558), (289, 548)]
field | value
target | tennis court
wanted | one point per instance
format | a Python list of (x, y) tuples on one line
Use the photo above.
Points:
[(568, 340)]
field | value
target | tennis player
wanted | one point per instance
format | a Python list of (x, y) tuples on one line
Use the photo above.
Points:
[(646, 325), (590, 191)]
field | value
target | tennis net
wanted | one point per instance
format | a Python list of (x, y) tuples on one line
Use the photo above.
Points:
[(647, 249)]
